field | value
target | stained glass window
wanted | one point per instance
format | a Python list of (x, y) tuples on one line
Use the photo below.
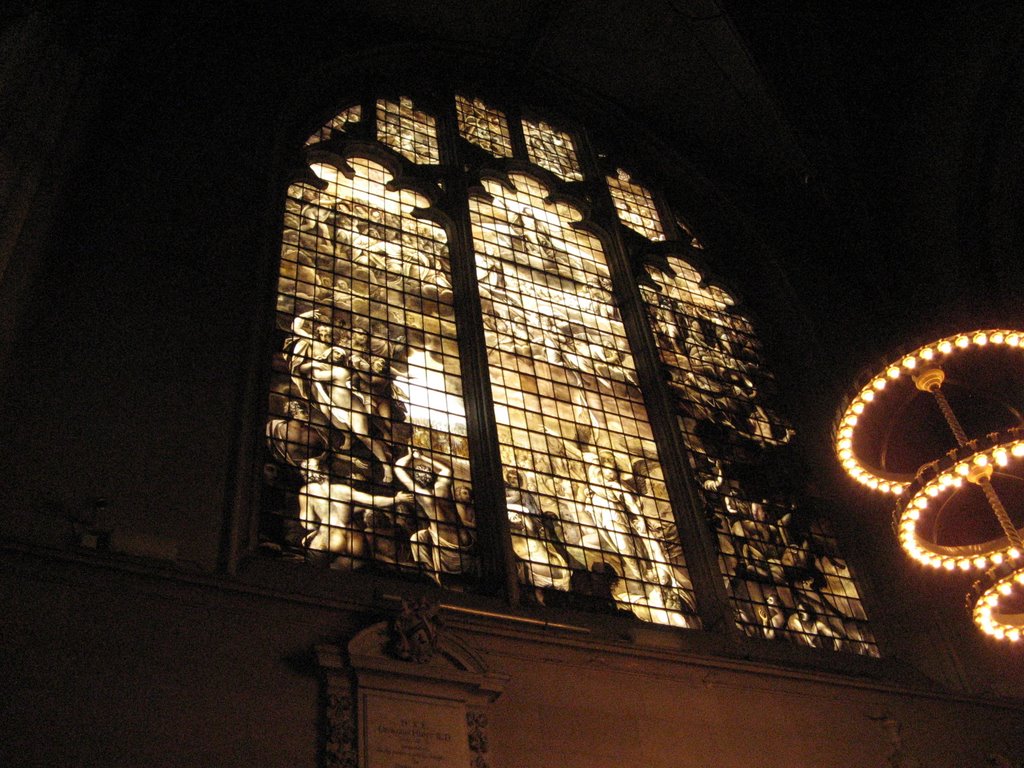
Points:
[(411, 133), (782, 570), (584, 490), (635, 206), (368, 462), (552, 150), (340, 122), (484, 126)]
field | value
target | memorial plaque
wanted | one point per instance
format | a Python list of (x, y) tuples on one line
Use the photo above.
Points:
[(406, 731)]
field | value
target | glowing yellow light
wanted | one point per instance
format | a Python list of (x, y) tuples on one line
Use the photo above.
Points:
[(996, 558), (965, 565), (981, 459), (981, 339), (1001, 458), (858, 408), (962, 341), (963, 470), (1005, 588), (878, 383), (910, 362), (927, 353), (998, 337), (1013, 339), (893, 372), (1017, 450), (867, 395), (980, 562), (945, 347)]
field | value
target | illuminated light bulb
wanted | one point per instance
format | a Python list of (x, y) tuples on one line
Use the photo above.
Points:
[(893, 372), (998, 632), (981, 339), (980, 562), (878, 383), (845, 442), (997, 558), (962, 470), (898, 489), (949, 565), (927, 353), (913, 515), (846, 433), (1005, 588), (945, 347), (945, 479), (910, 362), (921, 502), (962, 341), (850, 420), (1013, 339), (846, 454), (998, 337), (1013, 635), (981, 459), (1013, 553), (1001, 458), (867, 395), (1017, 450), (857, 408), (932, 491), (873, 483), (1019, 577), (991, 601), (884, 487), (958, 482), (965, 564)]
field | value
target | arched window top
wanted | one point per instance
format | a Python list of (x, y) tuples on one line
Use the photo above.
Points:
[(595, 409)]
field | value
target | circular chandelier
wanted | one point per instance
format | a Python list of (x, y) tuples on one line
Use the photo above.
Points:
[(901, 433)]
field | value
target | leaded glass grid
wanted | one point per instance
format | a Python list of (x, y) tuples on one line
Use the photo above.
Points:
[(484, 126), (552, 150), (782, 570), (586, 500), (340, 122), (635, 207), (411, 133), (368, 463), (367, 459)]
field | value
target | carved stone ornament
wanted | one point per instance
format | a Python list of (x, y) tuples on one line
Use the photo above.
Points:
[(415, 632), (401, 692)]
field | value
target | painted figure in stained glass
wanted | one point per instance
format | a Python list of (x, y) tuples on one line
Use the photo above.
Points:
[(773, 561), (366, 415), (566, 395)]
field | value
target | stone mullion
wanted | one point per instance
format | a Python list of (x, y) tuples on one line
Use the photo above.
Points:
[(699, 546), (497, 561)]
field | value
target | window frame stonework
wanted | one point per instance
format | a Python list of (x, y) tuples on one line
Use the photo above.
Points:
[(459, 175)]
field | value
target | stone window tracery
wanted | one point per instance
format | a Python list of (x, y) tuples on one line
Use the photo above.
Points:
[(368, 445)]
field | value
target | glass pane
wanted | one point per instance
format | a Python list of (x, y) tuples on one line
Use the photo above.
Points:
[(484, 126), (411, 134), (635, 206), (367, 457), (340, 122), (552, 150), (782, 570), (590, 515)]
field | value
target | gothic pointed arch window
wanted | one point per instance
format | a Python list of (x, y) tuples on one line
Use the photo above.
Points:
[(471, 386)]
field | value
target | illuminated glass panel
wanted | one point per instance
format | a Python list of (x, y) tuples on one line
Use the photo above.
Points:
[(782, 570), (340, 122), (552, 150), (484, 126), (410, 133), (635, 206), (587, 503), (366, 435)]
